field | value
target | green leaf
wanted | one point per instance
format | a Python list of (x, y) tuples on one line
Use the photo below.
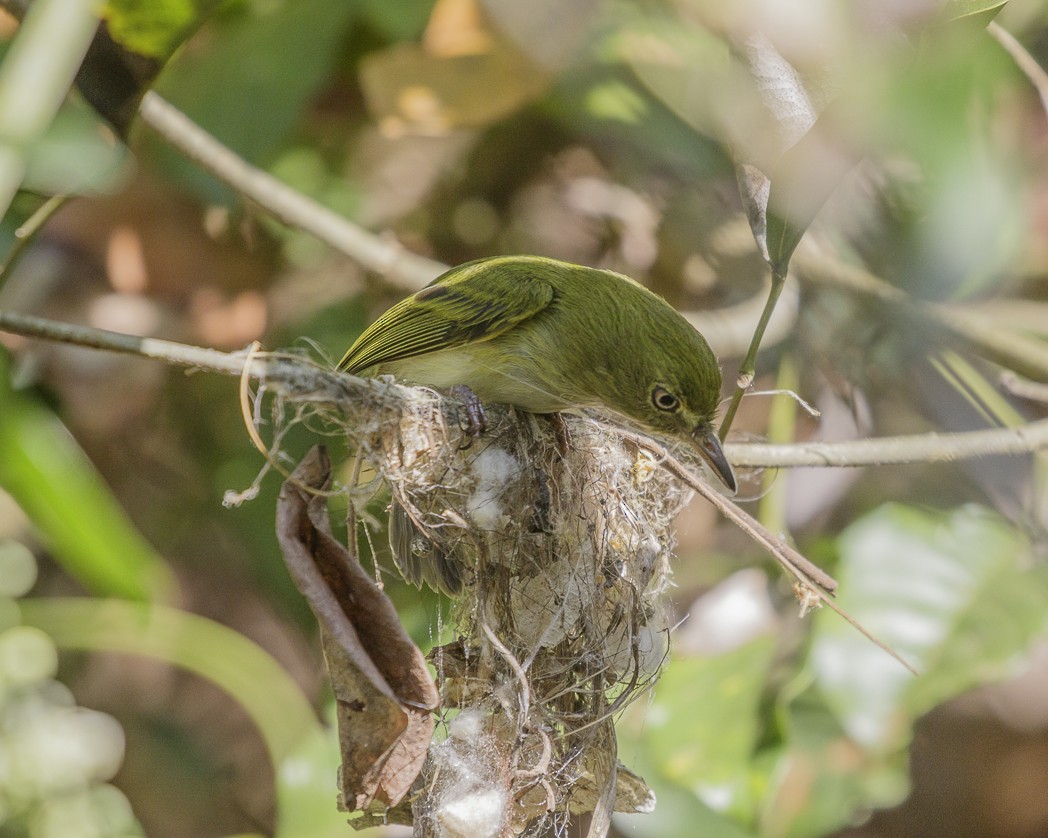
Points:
[(152, 28), (702, 725), (802, 181), (307, 788), (50, 477), (953, 592), (255, 680), (257, 69), (303, 751), (958, 9)]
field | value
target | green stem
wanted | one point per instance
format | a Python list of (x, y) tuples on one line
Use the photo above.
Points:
[(782, 423), (26, 232), (748, 367), (35, 77)]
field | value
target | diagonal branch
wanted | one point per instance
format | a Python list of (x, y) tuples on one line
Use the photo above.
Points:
[(380, 254), (1025, 62)]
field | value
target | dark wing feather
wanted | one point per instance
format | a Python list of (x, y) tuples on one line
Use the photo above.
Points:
[(472, 303)]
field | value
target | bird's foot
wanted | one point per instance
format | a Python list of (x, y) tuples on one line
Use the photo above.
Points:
[(561, 434), (476, 420)]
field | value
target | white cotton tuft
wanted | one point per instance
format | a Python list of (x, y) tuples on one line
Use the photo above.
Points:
[(492, 469), (477, 814), (467, 725)]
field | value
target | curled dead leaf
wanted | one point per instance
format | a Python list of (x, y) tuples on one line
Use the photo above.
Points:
[(383, 689)]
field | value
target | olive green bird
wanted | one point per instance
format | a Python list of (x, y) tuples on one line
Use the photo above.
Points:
[(548, 336)]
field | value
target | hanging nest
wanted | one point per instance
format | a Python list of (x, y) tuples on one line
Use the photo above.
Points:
[(559, 532)]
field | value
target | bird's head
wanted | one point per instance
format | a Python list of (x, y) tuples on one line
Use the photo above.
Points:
[(686, 409), (674, 389)]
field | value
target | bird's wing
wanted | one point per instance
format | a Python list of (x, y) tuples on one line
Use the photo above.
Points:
[(464, 307)]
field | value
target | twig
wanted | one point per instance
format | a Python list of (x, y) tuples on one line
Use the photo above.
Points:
[(748, 366), (25, 232), (917, 448), (382, 255), (894, 450), (1025, 62), (728, 330), (180, 354), (1019, 386), (789, 558), (814, 583)]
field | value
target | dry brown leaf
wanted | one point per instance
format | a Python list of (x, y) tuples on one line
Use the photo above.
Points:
[(383, 689)]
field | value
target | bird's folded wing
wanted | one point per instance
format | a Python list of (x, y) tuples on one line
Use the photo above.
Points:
[(452, 312)]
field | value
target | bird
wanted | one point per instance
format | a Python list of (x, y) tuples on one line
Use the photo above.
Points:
[(548, 336)]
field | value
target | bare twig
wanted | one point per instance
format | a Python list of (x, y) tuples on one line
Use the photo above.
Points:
[(1019, 386), (895, 450), (790, 559), (1025, 62), (917, 448), (25, 233), (814, 583), (383, 255), (728, 330)]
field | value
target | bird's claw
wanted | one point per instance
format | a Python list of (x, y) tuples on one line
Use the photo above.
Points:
[(476, 420)]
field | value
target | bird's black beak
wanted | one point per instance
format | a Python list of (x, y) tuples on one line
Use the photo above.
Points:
[(709, 445)]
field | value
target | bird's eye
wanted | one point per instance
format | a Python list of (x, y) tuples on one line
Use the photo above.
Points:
[(663, 399)]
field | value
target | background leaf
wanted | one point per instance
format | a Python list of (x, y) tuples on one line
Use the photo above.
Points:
[(951, 592), (53, 481)]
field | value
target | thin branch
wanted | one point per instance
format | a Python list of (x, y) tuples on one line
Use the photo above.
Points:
[(814, 584), (917, 448), (25, 233), (380, 254), (1021, 387), (806, 572), (748, 367), (894, 450), (728, 330), (171, 352), (1025, 62)]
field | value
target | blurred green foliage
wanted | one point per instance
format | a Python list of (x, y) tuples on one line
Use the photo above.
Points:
[(65, 498), (153, 28), (57, 757)]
